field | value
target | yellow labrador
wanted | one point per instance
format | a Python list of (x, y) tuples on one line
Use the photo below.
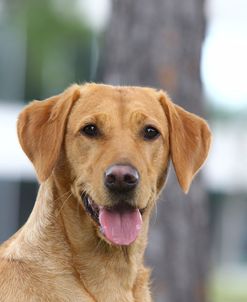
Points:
[(101, 155)]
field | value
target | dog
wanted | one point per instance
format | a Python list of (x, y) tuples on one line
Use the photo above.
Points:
[(101, 155)]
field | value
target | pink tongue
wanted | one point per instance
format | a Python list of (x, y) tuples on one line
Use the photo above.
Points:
[(120, 228)]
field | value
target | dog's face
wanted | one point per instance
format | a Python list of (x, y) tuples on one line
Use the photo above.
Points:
[(116, 143)]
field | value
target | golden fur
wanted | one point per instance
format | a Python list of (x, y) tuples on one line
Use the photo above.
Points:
[(60, 254)]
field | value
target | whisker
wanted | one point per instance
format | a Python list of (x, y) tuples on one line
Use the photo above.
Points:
[(63, 204), (77, 207), (98, 245), (62, 195)]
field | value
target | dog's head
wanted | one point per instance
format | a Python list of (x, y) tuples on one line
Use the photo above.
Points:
[(112, 145)]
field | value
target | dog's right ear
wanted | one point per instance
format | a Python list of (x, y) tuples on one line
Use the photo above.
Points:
[(41, 127)]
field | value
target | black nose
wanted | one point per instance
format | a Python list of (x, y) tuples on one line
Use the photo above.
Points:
[(121, 178)]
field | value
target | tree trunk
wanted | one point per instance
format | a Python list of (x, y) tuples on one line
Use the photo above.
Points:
[(158, 43)]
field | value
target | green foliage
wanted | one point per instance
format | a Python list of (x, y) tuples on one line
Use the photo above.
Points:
[(58, 45)]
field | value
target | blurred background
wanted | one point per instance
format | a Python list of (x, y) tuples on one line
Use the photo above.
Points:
[(194, 49)]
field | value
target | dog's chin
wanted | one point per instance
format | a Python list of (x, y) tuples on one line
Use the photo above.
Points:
[(119, 224)]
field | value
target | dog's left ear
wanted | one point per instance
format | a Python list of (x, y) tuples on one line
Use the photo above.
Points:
[(189, 138), (41, 127)]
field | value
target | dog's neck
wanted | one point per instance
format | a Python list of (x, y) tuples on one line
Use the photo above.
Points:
[(60, 228)]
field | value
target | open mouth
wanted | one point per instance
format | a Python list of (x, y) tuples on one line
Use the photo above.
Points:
[(120, 224)]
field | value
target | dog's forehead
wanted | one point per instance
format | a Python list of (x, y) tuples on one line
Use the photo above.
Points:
[(98, 98)]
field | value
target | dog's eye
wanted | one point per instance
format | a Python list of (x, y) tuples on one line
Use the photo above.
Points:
[(150, 133), (90, 130)]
